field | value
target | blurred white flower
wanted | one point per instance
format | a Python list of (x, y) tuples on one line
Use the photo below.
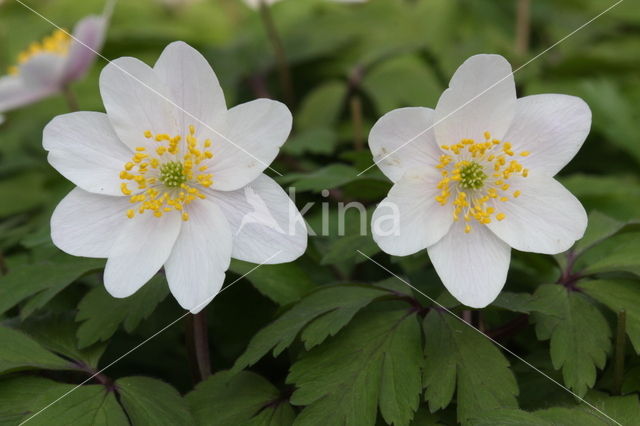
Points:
[(156, 187), (46, 67), (254, 4), (481, 180)]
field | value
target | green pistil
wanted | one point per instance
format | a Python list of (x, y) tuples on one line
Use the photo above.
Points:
[(172, 174), (472, 176)]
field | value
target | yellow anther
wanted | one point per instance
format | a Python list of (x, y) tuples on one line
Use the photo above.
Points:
[(525, 172), (516, 194), (128, 166), (487, 135), (500, 216), (503, 199), (131, 213), (148, 134), (467, 229), (192, 129), (140, 148), (185, 216), (524, 153), (505, 187), (124, 189)]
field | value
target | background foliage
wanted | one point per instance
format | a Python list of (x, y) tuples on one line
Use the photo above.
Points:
[(331, 339)]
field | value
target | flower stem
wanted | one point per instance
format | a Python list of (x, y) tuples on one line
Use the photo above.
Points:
[(198, 341), (70, 97), (618, 367), (523, 26), (281, 59)]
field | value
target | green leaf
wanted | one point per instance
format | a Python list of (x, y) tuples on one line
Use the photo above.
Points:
[(328, 177), (49, 277), (17, 395), (322, 106), (89, 405), (375, 361), (580, 335), (284, 283), (600, 228), (623, 409), (24, 191), (58, 334), (458, 356), (571, 416), (515, 302), (152, 402), (400, 82), (241, 399), (342, 302), (509, 417), (18, 351), (624, 257), (619, 295), (318, 140), (344, 249), (101, 314)]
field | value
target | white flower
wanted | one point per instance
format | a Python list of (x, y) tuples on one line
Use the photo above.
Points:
[(46, 67), (157, 187), (254, 4), (481, 180)]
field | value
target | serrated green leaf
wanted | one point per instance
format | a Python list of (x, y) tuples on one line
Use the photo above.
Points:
[(50, 276), (89, 405), (509, 417), (623, 409), (571, 416), (101, 314), (600, 228), (152, 402), (280, 334), (18, 351), (284, 283), (619, 295), (580, 335), (375, 361), (242, 399), (458, 356), (623, 258), (58, 334)]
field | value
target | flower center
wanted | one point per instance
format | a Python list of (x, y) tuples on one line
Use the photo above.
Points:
[(57, 43), (475, 176), (172, 174), (169, 177), (472, 176)]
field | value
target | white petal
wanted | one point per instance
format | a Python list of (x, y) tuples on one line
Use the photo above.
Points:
[(267, 227), (403, 139), (90, 34), (84, 148), (551, 128), (481, 97), (193, 85), (410, 219), (254, 133), (545, 218), (85, 224), (43, 71), (143, 245), (473, 266), (136, 100), (15, 93), (200, 257)]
